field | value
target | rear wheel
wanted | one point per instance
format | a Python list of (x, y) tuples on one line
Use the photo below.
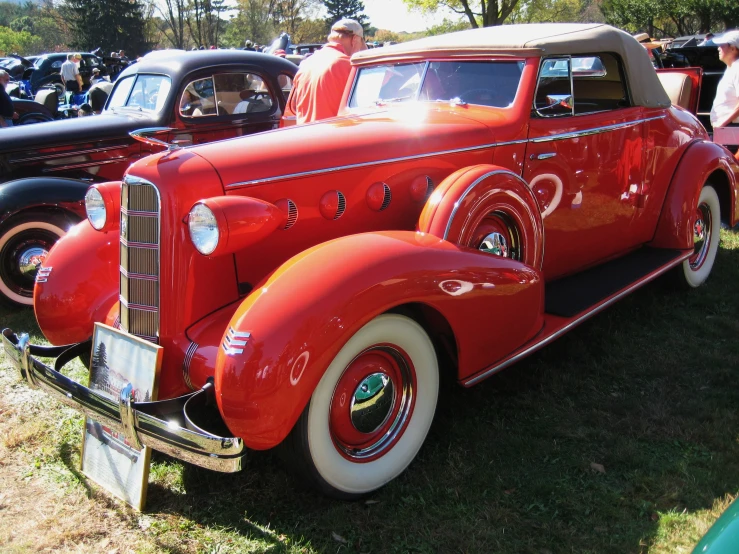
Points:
[(706, 226), (371, 411), (24, 244)]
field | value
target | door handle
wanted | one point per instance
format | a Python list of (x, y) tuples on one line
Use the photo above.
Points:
[(544, 156)]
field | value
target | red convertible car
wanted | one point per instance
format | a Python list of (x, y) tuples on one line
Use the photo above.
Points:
[(484, 192)]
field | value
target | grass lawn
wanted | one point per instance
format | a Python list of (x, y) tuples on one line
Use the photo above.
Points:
[(620, 437)]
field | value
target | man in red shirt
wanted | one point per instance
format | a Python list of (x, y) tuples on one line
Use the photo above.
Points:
[(321, 79)]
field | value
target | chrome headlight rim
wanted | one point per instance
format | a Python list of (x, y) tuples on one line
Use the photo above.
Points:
[(95, 208), (203, 227)]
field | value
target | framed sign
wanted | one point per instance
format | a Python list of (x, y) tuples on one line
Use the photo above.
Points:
[(108, 458)]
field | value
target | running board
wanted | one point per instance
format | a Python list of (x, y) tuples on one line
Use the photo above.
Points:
[(640, 268)]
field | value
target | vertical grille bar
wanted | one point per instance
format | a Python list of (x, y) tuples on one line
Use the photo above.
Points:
[(139, 258)]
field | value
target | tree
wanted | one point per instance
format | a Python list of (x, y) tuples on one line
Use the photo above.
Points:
[(536, 11), (17, 42), (205, 22), (99, 367), (112, 24), (175, 14), (339, 9), (480, 14)]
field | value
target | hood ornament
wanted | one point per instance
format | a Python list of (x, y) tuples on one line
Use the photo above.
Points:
[(142, 136)]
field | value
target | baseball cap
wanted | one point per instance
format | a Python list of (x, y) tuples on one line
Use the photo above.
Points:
[(348, 26), (95, 70), (730, 37)]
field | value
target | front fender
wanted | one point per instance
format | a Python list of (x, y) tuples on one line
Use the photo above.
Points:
[(77, 284), (42, 193), (700, 161), (286, 333)]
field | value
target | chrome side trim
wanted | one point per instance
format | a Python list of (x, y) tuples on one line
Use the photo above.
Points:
[(469, 189), (595, 130), (85, 164), (372, 163), (67, 154), (142, 135), (439, 153), (233, 340), (575, 322)]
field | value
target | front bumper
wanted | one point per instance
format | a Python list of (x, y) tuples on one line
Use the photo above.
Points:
[(173, 426)]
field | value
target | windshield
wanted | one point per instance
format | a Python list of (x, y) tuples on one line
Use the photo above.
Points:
[(142, 92), (485, 83)]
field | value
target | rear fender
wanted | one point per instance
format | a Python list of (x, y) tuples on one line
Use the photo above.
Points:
[(77, 284), (43, 193), (285, 334), (701, 159)]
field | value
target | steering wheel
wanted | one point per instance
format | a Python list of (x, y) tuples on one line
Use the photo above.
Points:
[(485, 97)]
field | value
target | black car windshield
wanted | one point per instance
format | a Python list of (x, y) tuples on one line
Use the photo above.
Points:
[(142, 92)]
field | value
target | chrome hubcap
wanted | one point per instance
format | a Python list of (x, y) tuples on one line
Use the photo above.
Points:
[(495, 243), (29, 261), (701, 236), (372, 403)]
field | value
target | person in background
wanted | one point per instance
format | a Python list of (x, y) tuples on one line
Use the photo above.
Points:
[(96, 77), (707, 40), (319, 84), (71, 73), (84, 110), (7, 112), (725, 110), (249, 45)]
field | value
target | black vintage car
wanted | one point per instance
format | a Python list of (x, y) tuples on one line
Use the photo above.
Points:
[(168, 98), (685, 52)]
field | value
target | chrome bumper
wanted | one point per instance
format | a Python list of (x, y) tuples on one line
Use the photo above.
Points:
[(173, 426)]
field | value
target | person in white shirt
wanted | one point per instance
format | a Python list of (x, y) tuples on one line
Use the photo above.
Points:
[(71, 73), (725, 109)]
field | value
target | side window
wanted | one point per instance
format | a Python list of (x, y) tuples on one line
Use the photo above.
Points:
[(198, 99), (598, 84), (580, 85), (286, 84), (554, 91), (57, 64), (241, 93)]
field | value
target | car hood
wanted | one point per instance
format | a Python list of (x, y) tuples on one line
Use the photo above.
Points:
[(350, 140), (70, 131)]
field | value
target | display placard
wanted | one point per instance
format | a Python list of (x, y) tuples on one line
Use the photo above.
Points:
[(108, 458)]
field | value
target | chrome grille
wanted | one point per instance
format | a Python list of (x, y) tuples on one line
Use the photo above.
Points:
[(139, 261)]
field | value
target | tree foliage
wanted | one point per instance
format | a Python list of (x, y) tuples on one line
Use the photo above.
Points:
[(672, 17), (479, 13), (111, 24), (339, 9), (17, 42)]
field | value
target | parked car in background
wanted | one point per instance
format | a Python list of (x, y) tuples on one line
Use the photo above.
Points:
[(46, 169), (483, 193), (46, 68)]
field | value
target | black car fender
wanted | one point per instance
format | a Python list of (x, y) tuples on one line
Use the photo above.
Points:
[(43, 194)]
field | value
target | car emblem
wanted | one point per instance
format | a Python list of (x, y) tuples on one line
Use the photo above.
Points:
[(233, 340)]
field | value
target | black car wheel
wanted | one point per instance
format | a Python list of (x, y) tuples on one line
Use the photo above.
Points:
[(24, 244), (29, 118)]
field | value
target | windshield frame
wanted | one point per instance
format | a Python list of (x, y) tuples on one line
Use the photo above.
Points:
[(139, 109)]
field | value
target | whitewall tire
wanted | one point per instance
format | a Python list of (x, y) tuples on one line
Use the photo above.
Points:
[(706, 235), (371, 410)]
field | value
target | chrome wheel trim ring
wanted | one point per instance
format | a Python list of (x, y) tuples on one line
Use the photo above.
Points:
[(702, 231)]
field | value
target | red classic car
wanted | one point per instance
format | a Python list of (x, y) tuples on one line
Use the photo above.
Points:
[(485, 192)]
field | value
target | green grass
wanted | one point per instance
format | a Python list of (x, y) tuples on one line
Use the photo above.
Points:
[(647, 390)]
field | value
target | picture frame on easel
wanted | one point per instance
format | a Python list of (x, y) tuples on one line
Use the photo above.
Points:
[(120, 362)]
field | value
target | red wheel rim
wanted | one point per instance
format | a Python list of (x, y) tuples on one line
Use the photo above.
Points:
[(372, 403)]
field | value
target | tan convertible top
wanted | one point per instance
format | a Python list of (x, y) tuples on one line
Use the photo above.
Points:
[(538, 39)]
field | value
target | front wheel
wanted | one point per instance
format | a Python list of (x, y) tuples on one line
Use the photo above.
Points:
[(706, 230), (371, 411), (24, 245)]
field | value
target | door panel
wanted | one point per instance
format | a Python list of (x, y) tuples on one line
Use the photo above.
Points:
[(586, 172)]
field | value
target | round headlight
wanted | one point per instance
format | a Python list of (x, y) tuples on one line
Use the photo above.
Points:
[(95, 206), (203, 229)]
